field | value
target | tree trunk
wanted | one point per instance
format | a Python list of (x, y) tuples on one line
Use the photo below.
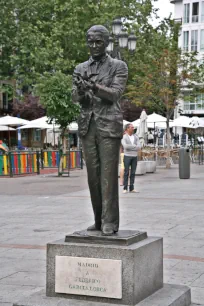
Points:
[(63, 150), (168, 159)]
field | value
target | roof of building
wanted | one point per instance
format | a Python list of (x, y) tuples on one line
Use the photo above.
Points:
[(174, 1)]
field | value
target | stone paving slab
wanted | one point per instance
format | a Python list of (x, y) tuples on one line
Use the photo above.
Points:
[(169, 295), (11, 293), (37, 210), (36, 279), (197, 295)]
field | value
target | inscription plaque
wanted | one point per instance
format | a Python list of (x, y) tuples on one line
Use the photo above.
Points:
[(88, 276)]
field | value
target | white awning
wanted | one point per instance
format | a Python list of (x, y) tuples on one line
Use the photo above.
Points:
[(13, 121), (6, 128)]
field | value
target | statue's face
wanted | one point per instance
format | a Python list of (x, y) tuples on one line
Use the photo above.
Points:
[(96, 44)]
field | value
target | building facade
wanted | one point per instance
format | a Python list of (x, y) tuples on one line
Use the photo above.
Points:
[(191, 12)]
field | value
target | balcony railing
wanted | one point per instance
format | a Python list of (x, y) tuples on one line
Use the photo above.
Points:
[(195, 18), (185, 48), (194, 106), (186, 19), (194, 47), (178, 20)]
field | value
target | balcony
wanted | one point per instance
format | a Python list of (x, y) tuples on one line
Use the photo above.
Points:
[(195, 18), (193, 108), (175, 1), (185, 48), (178, 20), (186, 19), (194, 48)]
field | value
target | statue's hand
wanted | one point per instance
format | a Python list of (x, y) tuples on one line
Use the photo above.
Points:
[(81, 86), (89, 95), (91, 85)]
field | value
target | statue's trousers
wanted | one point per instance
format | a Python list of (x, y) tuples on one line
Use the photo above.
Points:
[(102, 158)]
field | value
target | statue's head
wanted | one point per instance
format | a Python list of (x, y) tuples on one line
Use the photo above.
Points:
[(97, 40)]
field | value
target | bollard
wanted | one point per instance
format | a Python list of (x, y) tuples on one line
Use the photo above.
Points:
[(42, 159), (81, 159), (10, 164), (38, 162), (184, 163)]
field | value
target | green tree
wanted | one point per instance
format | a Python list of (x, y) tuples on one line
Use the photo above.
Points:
[(55, 91), (49, 35), (164, 72), (7, 38)]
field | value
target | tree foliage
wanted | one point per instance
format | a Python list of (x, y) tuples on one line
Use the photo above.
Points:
[(55, 91), (7, 38), (161, 78), (45, 36), (49, 35), (29, 108), (55, 94)]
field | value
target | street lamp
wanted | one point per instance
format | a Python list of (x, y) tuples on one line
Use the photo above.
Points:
[(123, 39), (111, 45), (132, 42), (120, 40), (116, 26)]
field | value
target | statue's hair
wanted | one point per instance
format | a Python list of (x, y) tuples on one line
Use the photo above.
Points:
[(101, 29)]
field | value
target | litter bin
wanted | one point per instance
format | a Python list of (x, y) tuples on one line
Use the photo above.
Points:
[(184, 163)]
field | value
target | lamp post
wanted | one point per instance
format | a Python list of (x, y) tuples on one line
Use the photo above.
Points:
[(120, 39)]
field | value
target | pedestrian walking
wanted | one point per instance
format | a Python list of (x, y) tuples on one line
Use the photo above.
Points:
[(131, 145)]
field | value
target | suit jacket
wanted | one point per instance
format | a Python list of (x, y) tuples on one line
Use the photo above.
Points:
[(111, 75)]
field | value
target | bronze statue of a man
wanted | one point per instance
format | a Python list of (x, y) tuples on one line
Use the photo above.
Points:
[(98, 85)]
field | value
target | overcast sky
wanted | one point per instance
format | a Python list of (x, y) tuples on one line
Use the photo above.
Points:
[(165, 8)]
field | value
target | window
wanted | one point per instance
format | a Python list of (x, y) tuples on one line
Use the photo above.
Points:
[(5, 100), (1, 100), (24, 134), (200, 102), (186, 105), (37, 135), (195, 12), (202, 11), (197, 104), (186, 18), (194, 40), (202, 40), (185, 40)]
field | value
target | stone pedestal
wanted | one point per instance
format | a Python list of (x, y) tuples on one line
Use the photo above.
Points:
[(134, 271), (169, 295), (91, 270)]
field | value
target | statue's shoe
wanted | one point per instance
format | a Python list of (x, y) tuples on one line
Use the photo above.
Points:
[(108, 230), (94, 227)]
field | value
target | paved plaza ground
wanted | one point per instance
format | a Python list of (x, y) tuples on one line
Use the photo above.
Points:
[(40, 209)]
